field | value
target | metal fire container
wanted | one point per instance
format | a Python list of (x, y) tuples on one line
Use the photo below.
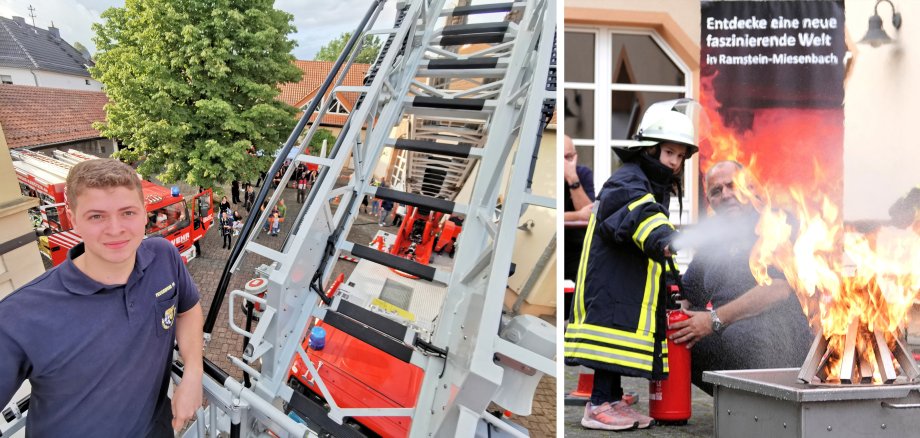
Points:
[(773, 403)]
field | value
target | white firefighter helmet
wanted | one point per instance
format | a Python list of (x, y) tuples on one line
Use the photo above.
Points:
[(667, 121)]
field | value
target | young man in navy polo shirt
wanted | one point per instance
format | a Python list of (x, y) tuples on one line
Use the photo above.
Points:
[(95, 335)]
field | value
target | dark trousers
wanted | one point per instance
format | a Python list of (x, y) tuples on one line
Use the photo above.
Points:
[(607, 387), (301, 195), (226, 241), (235, 192), (162, 421)]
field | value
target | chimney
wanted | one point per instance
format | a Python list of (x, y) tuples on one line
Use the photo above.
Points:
[(55, 32), (19, 20)]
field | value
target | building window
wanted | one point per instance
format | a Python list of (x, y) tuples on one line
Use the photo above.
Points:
[(336, 107), (6, 79), (611, 77)]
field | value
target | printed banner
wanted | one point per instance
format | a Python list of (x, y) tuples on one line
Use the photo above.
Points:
[(771, 85)]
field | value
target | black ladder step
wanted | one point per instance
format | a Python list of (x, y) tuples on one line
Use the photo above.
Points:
[(318, 416), (476, 33), (369, 335), (482, 9), (391, 261), (424, 202), (479, 38), (433, 147), (443, 103), (475, 28), (470, 63), (22, 405), (375, 320)]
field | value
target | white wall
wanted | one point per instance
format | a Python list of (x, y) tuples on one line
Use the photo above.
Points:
[(47, 79), (19, 76), (881, 141)]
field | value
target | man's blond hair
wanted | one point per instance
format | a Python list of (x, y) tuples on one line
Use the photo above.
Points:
[(101, 173)]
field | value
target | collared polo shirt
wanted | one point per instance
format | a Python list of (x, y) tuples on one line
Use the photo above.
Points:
[(97, 356)]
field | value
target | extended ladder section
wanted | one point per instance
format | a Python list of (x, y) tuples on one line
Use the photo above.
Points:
[(47, 168), (72, 156), (460, 96)]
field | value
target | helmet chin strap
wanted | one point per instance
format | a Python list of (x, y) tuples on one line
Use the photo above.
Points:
[(679, 185)]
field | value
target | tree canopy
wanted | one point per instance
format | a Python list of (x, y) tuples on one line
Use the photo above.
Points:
[(83, 50), (369, 51), (192, 86), (316, 143)]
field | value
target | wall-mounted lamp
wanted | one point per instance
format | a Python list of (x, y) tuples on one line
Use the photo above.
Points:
[(876, 36), (527, 226)]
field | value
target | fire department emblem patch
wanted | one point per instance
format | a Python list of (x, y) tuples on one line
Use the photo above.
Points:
[(169, 316)]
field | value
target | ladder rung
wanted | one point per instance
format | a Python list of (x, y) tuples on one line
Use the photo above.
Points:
[(310, 410), (377, 321), (391, 261), (481, 9), (542, 201), (442, 103), (433, 147), (369, 335), (415, 200), (470, 63), (475, 28), (478, 38)]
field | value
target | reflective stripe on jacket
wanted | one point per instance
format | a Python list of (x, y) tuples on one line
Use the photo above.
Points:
[(618, 321)]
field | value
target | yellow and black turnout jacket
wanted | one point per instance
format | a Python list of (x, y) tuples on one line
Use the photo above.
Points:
[(618, 319)]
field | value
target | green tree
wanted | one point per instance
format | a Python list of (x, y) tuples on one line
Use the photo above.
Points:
[(316, 143), (192, 86), (82, 49), (369, 51)]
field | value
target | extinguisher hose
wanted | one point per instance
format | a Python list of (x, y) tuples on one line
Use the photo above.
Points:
[(675, 277)]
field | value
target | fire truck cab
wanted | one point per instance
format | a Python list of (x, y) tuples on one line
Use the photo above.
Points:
[(169, 214)]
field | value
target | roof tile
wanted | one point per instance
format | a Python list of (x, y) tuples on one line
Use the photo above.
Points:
[(25, 46), (298, 94), (39, 116)]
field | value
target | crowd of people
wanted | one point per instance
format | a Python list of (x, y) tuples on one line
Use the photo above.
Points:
[(231, 219), (231, 212)]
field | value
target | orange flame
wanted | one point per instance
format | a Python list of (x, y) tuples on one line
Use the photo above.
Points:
[(839, 275)]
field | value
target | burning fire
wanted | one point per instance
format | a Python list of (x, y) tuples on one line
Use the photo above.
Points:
[(839, 274)]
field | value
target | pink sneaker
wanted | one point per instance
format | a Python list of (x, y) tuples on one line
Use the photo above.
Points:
[(607, 418), (642, 421)]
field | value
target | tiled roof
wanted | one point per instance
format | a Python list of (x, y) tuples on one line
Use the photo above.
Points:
[(39, 116), (25, 46), (298, 94)]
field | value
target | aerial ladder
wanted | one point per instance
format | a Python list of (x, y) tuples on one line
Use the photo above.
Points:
[(484, 134), (47, 165), (472, 355)]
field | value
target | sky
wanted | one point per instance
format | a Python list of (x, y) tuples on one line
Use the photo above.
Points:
[(317, 21)]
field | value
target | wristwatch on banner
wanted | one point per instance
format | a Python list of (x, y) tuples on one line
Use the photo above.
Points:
[(717, 325), (575, 185)]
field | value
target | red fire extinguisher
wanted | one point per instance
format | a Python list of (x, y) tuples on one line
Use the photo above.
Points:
[(669, 400)]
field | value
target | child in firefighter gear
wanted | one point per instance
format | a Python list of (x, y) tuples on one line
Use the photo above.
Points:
[(618, 319)]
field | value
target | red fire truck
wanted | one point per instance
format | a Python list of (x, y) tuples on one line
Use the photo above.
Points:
[(168, 214)]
